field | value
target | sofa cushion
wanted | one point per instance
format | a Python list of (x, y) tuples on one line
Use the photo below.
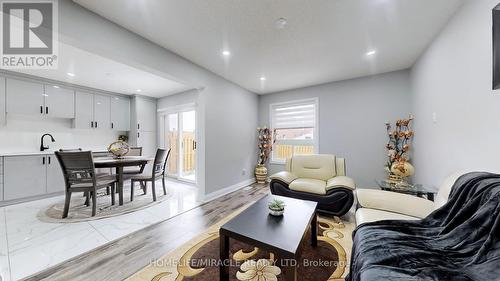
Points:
[(284, 176), (309, 185), (340, 181), (445, 189), (364, 215), (321, 167)]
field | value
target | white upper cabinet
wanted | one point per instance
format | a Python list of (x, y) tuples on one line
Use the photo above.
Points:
[(2, 101), (120, 113), (59, 102), (102, 116), (146, 115), (24, 97), (84, 111)]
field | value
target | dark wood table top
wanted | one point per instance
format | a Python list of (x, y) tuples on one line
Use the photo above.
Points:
[(283, 234), (110, 162)]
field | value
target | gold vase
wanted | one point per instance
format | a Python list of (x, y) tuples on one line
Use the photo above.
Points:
[(261, 173)]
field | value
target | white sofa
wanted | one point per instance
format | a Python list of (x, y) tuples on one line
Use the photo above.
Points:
[(376, 205)]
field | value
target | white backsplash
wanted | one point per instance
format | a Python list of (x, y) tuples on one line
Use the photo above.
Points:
[(22, 134)]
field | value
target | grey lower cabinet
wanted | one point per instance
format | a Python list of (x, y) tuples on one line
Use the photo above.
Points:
[(55, 177), (34, 175)]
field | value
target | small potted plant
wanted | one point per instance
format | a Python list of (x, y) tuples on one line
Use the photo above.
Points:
[(276, 207)]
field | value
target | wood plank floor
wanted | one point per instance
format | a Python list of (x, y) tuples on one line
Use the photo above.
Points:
[(119, 259)]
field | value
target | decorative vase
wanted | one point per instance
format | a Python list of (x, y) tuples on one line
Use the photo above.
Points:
[(403, 169), (119, 149), (261, 173), (276, 212)]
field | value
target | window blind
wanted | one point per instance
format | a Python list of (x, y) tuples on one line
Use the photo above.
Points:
[(294, 115)]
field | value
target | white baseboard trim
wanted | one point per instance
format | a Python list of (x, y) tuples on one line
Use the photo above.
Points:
[(221, 192)]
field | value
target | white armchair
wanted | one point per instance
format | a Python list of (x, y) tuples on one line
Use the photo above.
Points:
[(375, 205)]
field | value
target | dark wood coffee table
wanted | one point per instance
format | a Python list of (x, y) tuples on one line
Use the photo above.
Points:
[(279, 235)]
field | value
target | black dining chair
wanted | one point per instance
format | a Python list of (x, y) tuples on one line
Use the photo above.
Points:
[(80, 176), (158, 171)]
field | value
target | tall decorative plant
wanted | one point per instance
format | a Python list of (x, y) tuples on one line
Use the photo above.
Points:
[(265, 145), (398, 147)]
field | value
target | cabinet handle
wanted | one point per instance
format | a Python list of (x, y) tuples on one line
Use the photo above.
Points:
[(112, 126), (91, 124), (138, 134), (138, 126), (43, 160), (96, 124), (49, 160), (46, 110), (41, 109)]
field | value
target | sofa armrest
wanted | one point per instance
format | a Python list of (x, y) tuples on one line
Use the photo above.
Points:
[(394, 202), (340, 181), (284, 176)]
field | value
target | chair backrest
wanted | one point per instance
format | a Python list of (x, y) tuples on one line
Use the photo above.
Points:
[(160, 161), (77, 167), (317, 166), (70, 149), (135, 151), (445, 189)]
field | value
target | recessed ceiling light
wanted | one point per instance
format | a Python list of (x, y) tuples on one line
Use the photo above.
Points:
[(262, 78), (371, 53), (57, 87), (71, 74), (226, 53), (138, 90), (280, 23)]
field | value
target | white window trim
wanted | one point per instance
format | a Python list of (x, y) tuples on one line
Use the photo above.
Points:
[(316, 128)]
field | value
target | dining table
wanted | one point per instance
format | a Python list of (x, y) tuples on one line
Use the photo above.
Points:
[(118, 164)]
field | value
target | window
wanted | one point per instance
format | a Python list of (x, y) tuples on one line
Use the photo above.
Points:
[(296, 128)]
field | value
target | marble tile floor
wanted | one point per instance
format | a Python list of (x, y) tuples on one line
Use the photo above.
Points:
[(28, 245)]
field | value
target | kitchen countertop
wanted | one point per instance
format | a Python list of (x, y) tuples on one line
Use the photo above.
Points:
[(46, 152)]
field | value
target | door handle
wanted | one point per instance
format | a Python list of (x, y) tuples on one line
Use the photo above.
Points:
[(46, 110)]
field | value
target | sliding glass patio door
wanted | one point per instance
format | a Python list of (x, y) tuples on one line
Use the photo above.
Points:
[(181, 138)]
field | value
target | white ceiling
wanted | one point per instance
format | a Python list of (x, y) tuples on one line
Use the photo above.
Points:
[(325, 40), (95, 71)]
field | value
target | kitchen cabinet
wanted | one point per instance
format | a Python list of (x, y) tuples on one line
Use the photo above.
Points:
[(55, 177), (32, 175), (120, 114), (2, 101), (24, 97), (146, 115), (24, 176), (84, 111), (147, 140), (59, 102), (102, 117), (31, 98)]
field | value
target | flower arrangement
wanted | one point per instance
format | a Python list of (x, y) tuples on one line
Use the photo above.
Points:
[(265, 144), (398, 148)]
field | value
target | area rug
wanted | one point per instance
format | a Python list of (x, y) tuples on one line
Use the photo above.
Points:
[(197, 260), (78, 212)]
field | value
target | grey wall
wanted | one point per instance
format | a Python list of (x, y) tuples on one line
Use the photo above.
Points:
[(230, 112), (352, 116), (187, 97), (453, 80)]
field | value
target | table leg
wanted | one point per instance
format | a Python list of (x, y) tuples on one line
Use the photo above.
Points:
[(430, 196), (289, 269), (119, 173), (314, 230), (224, 257)]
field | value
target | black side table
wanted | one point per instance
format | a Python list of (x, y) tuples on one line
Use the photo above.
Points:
[(413, 189)]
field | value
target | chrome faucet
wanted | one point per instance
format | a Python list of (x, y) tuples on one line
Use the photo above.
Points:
[(42, 147)]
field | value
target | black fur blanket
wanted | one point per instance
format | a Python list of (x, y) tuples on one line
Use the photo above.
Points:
[(460, 241)]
